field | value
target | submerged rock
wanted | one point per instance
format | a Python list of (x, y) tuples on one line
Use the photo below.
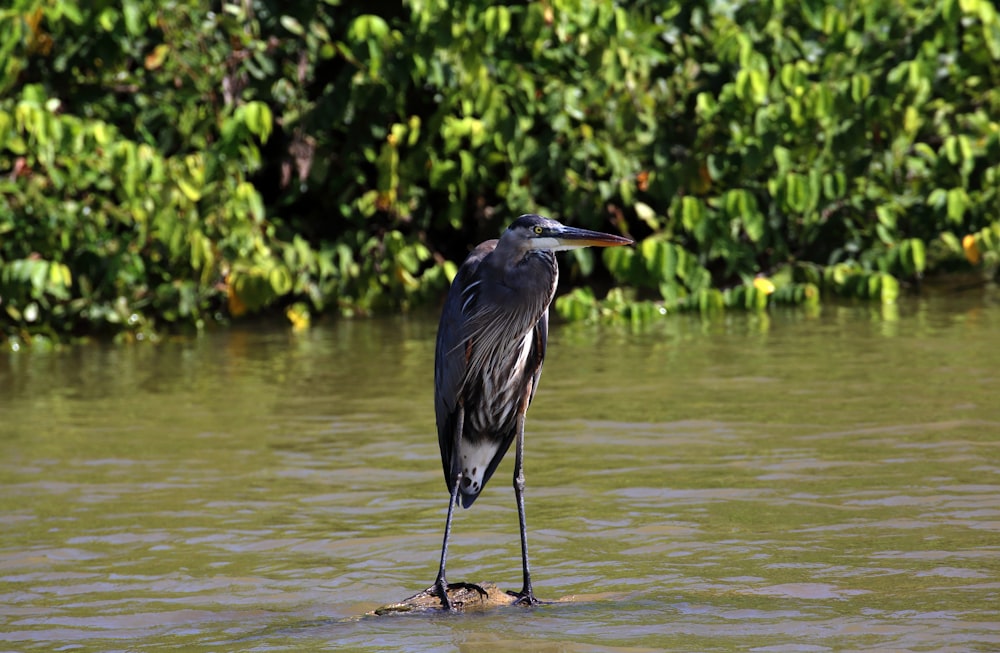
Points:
[(464, 597)]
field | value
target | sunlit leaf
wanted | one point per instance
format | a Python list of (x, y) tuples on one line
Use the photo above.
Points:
[(299, 316), (957, 202), (918, 255), (692, 212), (155, 58), (764, 285), (647, 215), (889, 289), (280, 280), (971, 249), (292, 24), (133, 13)]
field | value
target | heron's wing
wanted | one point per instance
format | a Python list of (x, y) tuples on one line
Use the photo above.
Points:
[(493, 309), (453, 352)]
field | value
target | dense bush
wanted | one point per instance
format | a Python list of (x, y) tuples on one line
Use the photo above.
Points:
[(171, 163)]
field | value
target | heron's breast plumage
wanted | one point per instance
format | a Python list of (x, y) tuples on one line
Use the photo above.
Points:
[(500, 388), (493, 401)]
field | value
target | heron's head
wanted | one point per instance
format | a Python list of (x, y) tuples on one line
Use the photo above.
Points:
[(536, 232)]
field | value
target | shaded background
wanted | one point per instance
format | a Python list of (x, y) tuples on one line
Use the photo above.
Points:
[(166, 164)]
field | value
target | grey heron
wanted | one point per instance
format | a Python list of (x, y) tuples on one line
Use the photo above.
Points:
[(490, 347)]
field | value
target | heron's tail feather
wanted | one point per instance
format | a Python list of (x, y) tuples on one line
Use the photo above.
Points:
[(467, 499)]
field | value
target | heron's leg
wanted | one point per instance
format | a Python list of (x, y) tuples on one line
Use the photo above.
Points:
[(441, 585), (527, 595)]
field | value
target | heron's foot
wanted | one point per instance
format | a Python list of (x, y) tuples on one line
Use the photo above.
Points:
[(526, 598), (461, 594), (441, 589)]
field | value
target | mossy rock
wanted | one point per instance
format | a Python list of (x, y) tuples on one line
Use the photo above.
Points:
[(464, 597)]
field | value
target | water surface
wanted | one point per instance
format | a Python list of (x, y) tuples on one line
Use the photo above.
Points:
[(791, 482)]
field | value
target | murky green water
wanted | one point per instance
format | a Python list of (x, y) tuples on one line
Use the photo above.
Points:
[(799, 483)]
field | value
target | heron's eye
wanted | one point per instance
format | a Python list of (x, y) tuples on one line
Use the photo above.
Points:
[(538, 230)]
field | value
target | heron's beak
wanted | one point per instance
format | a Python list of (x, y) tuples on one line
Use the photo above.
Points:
[(573, 238)]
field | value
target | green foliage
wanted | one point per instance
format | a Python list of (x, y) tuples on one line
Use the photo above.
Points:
[(175, 163), (835, 144)]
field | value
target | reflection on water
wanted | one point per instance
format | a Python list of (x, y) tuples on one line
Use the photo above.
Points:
[(770, 483)]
